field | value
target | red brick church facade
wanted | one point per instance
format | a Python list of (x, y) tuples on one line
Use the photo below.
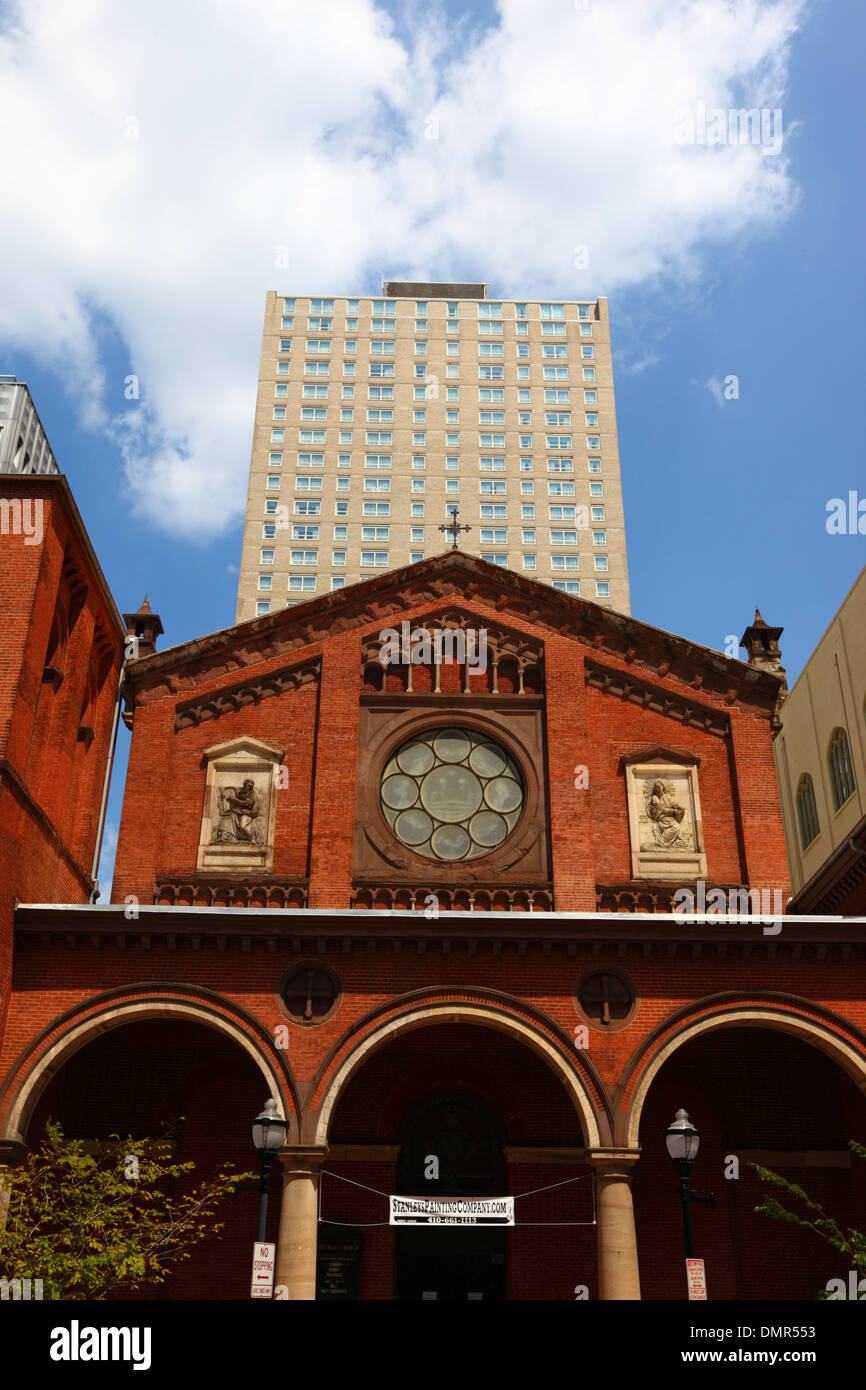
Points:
[(299, 911)]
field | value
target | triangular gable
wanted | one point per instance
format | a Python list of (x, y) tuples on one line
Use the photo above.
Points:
[(386, 599)]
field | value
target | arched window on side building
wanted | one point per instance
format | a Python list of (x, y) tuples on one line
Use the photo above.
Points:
[(841, 768), (807, 811)]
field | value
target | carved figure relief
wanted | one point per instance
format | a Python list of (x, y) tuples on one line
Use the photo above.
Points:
[(665, 815), (664, 819), (237, 830), (239, 815)]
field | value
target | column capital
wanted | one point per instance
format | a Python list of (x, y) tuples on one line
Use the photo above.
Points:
[(301, 1158), (611, 1161)]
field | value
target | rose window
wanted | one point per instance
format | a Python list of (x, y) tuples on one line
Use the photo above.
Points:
[(451, 794)]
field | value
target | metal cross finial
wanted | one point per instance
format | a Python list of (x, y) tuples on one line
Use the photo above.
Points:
[(453, 528)]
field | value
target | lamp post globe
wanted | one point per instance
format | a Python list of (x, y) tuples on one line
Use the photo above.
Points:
[(268, 1130), (682, 1141)]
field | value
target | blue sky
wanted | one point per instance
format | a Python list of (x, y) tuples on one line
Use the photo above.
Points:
[(148, 248)]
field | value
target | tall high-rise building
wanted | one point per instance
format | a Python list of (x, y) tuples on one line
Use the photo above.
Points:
[(376, 418), (24, 446)]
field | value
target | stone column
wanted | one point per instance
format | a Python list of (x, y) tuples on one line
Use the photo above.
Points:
[(299, 1222), (618, 1276)]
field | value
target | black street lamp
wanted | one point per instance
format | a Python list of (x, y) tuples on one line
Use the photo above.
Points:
[(683, 1141), (269, 1131)]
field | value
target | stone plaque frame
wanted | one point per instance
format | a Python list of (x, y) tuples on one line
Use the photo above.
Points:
[(231, 764), (684, 859)]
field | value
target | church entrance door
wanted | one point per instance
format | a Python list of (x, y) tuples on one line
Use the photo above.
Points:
[(451, 1146)]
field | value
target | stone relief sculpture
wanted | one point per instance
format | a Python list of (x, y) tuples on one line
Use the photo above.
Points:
[(666, 816), (238, 815)]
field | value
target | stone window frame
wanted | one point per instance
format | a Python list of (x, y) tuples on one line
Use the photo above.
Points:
[(375, 842)]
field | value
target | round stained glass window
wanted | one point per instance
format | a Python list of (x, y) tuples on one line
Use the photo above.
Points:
[(451, 794)]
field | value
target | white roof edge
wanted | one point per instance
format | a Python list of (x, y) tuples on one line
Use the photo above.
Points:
[(148, 909)]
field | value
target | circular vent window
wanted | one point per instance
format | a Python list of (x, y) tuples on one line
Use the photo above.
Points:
[(451, 794), (309, 994), (607, 1000)]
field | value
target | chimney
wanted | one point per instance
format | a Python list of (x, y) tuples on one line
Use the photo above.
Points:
[(762, 644), (142, 630)]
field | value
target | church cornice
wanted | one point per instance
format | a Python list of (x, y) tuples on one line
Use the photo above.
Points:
[(466, 580), (649, 696), (224, 700)]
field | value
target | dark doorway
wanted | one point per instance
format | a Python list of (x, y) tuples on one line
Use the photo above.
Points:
[(451, 1265), (451, 1146)]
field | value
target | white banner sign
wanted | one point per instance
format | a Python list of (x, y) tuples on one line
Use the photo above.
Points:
[(263, 1270), (452, 1211)]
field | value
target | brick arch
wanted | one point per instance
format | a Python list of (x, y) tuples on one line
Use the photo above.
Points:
[(818, 1027), (29, 1077), (484, 1013)]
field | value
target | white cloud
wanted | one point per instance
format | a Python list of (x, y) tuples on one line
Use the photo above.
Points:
[(158, 155)]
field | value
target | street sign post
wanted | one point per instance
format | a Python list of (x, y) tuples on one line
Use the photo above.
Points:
[(264, 1257), (696, 1278)]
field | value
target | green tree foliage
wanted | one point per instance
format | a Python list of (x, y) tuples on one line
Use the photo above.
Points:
[(850, 1243), (87, 1223)]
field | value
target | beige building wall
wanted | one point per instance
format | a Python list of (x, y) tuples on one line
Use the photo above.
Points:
[(388, 412), (830, 694)]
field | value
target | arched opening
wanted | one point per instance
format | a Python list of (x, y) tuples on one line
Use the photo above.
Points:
[(728, 1079), (457, 1109), (144, 1076), (451, 1140)]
